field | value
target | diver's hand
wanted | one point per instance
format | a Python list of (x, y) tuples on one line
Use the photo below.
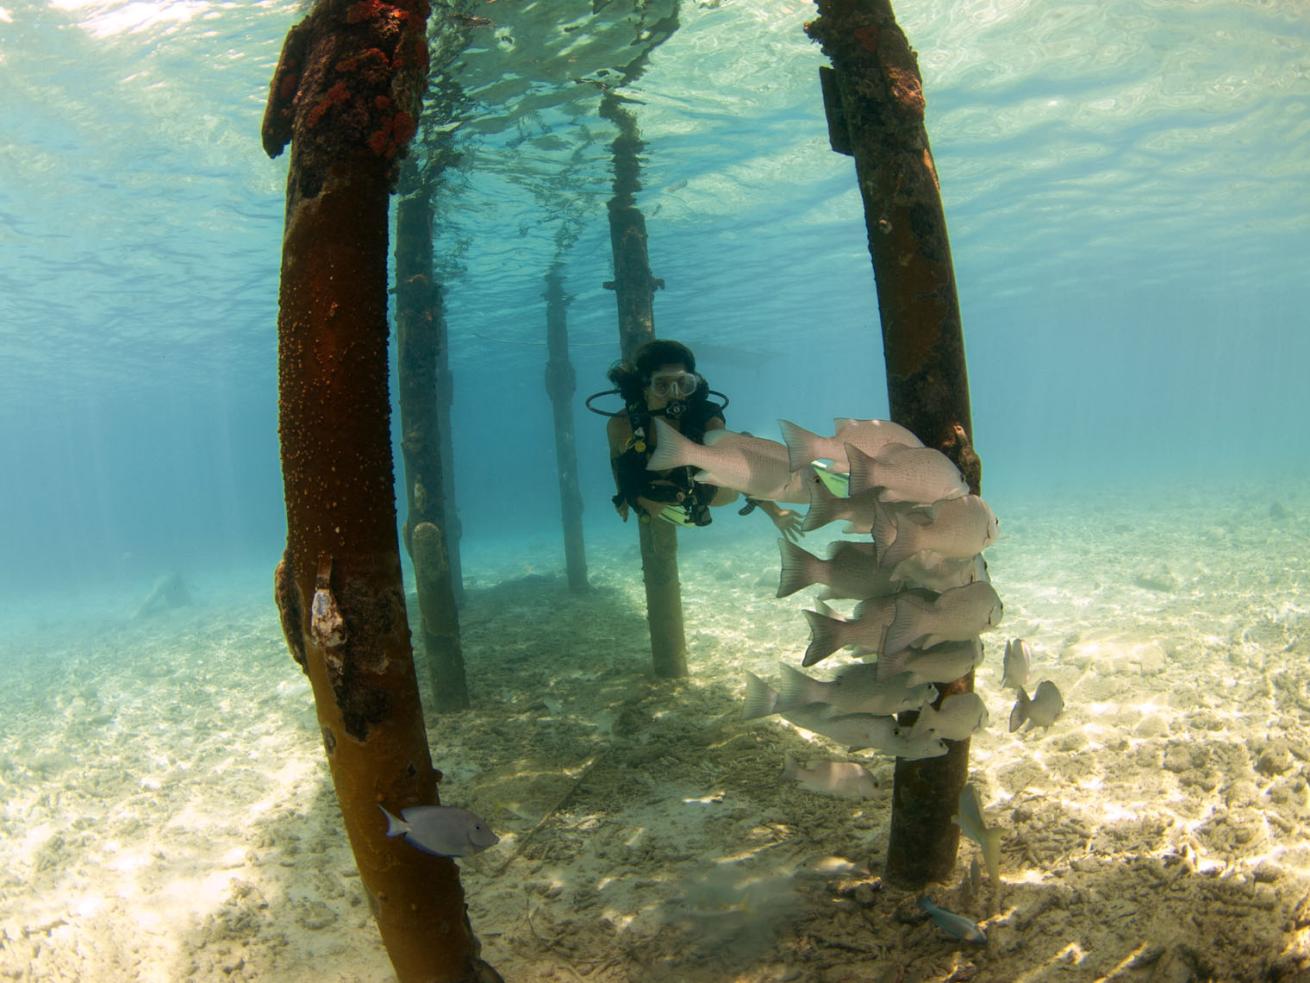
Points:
[(622, 509), (651, 507), (789, 523)]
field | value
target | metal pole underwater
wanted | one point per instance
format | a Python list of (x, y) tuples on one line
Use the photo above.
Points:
[(345, 94), (561, 383), (420, 336), (634, 290), (874, 99)]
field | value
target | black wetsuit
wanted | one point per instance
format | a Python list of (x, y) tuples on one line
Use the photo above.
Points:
[(630, 466)]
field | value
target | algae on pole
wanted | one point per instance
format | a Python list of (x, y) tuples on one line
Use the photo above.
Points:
[(346, 94)]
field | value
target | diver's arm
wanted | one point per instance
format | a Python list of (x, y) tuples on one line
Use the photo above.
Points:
[(618, 430)]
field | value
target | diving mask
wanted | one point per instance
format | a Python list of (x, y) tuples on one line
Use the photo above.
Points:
[(674, 385)]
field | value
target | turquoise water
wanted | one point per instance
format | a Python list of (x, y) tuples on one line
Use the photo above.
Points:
[(1127, 188), (1125, 183)]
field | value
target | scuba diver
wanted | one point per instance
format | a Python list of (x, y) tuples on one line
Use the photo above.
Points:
[(661, 380)]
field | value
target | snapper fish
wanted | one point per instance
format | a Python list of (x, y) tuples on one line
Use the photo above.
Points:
[(943, 663), (444, 831), (866, 629), (851, 570), (854, 731), (751, 465), (988, 838), (906, 474), (1017, 665), (1041, 710), (844, 779), (955, 615), (955, 720), (870, 436), (938, 573), (856, 689), (857, 510), (957, 529), (956, 926)]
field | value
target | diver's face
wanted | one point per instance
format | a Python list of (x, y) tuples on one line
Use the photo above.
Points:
[(667, 383)]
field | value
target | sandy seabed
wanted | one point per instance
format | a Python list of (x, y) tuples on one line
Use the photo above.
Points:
[(165, 810)]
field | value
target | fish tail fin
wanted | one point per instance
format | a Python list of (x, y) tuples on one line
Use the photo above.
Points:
[(903, 629), (672, 449), (395, 825), (885, 533), (891, 665), (862, 470), (825, 507), (1019, 715), (761, 698), (802, 444), (796, 689), (898, 541), (826, 637), (797, 568)]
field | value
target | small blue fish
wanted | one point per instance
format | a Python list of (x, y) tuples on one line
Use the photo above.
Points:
[(956, 926), (444, 831)]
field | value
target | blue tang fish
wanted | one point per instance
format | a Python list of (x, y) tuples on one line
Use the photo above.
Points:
[(445, 831), (956, 926)]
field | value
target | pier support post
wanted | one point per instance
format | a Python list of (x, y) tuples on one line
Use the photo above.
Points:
[(419, 340), (634, 291), (346, 94), (561, 382), (874, 97)]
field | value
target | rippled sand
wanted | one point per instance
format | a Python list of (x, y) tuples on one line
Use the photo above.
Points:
[(165, 812)]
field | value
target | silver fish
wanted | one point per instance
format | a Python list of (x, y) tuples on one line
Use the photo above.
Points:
[(844, 779), (445, 831), (761, 698), (855, 689), (1041, 710), (956, 926), (828, 634), (956, 615), (943, 663), (906, 474), (851, 570), (938, 573), (870, 436), (851, 730), (958, 717), (988, 838), (752, 465), (913, 748), (857, 731), (825, 507), (1018, 664), (957, 528)]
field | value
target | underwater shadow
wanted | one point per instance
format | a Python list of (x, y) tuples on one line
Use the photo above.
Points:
[(646, 832)]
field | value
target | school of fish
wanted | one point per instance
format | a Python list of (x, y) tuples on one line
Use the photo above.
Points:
[(923, 599)]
